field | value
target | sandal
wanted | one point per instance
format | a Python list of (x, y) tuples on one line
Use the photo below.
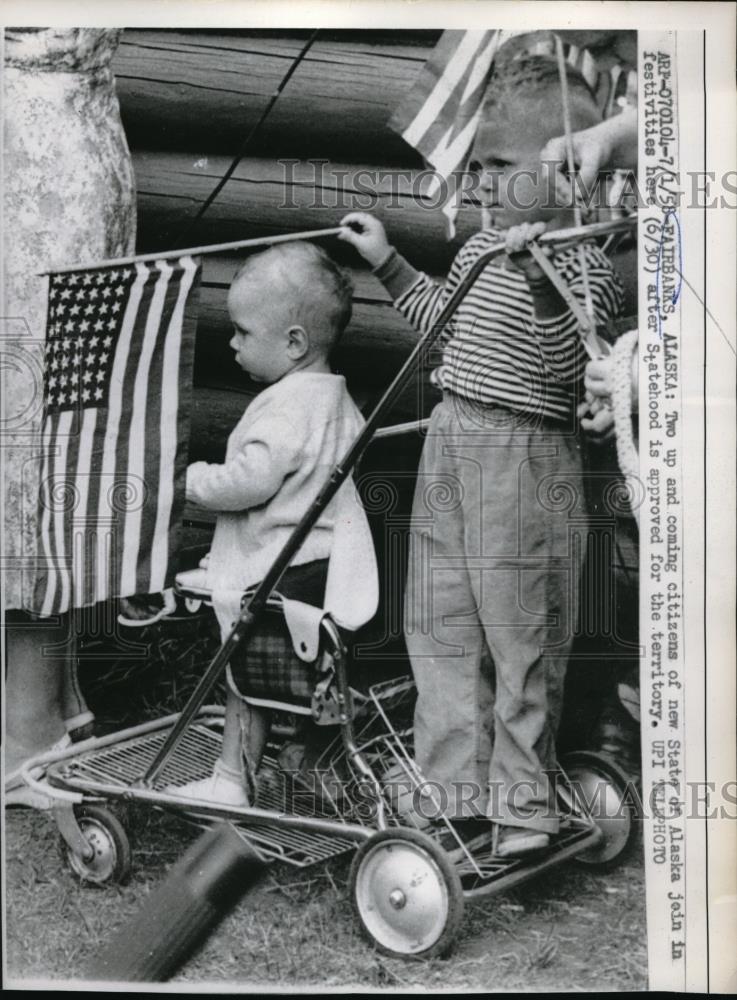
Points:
[(80, 727), (151, 612)]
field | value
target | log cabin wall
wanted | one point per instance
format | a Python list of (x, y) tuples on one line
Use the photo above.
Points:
[(187, 99)]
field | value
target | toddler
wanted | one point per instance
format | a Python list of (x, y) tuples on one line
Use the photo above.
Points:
[(490, 601), (288, 307)]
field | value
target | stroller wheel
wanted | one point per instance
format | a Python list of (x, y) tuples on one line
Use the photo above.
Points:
[(407, 894), (111, 861), (603, 791)]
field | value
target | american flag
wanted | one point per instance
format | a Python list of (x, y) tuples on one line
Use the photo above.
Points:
[(440, 115), (117, 397)]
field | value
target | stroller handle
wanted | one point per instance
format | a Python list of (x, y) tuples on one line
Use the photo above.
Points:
[(255, 606)]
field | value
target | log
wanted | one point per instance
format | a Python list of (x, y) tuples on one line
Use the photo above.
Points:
[(265, 198), (204, 91)]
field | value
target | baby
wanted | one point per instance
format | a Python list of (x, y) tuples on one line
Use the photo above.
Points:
[(288, 307)]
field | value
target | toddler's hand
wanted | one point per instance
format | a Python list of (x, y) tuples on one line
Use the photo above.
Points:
[(367, 235), (516, 246)]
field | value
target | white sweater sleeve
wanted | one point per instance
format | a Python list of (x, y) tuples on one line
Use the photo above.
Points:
[(270, 451)]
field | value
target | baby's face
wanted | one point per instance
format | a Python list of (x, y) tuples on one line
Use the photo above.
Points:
[(513, 185), (260, 328)]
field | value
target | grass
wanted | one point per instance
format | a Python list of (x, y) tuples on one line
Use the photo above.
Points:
[(570, 929)]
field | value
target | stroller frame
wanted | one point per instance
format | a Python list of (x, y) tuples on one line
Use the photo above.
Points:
[(144, 764)]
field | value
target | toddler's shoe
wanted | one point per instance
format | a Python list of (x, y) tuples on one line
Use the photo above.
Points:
[(516, 841), (224, 787), (194, 581)]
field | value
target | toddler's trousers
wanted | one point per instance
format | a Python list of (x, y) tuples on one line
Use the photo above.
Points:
[(498, 529)]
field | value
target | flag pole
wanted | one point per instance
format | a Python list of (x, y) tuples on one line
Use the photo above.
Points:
[(577, 219), (262, 241)]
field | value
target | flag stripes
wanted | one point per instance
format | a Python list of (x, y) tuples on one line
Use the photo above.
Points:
[(120, 348), (441, 113)]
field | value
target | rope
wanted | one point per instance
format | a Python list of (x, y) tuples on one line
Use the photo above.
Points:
[(187, 229), (627, 455)]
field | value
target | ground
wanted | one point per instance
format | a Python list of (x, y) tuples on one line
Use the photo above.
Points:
[(568, 930)]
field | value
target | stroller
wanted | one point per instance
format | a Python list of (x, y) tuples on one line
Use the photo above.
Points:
[(412, 870)]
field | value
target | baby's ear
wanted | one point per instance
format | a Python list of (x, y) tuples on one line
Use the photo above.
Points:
[(298, 342)]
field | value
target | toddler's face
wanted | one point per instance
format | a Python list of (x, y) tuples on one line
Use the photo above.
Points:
[(259, 330), (513, 184)]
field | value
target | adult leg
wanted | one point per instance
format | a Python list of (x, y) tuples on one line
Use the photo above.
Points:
[(78, 719), (33, 706)]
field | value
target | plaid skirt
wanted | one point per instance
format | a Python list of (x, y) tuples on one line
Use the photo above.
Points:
[(266, 666)]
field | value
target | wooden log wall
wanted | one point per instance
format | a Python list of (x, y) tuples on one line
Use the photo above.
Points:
[(188, 98)]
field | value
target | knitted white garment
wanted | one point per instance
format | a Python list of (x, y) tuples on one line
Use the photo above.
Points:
[(627, 455)]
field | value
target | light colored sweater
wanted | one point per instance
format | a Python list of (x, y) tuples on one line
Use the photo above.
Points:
[(278, 457)]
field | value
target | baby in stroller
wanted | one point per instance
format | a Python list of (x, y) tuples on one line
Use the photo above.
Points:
[(289, 306)]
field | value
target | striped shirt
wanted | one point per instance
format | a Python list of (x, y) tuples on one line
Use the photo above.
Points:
[(495, 351)]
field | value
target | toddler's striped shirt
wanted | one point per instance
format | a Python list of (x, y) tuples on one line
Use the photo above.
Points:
[(495, 351)]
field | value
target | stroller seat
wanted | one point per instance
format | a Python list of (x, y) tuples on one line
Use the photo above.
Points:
[(288, 661)]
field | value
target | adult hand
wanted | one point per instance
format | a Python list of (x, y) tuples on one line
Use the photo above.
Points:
[(598, 377), (609, 144), (597, 420)]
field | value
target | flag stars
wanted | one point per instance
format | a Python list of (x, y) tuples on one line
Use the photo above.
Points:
[(115, 306), (66, 292), (87, 376), (74, 309), (103, 308), (98, 392)]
